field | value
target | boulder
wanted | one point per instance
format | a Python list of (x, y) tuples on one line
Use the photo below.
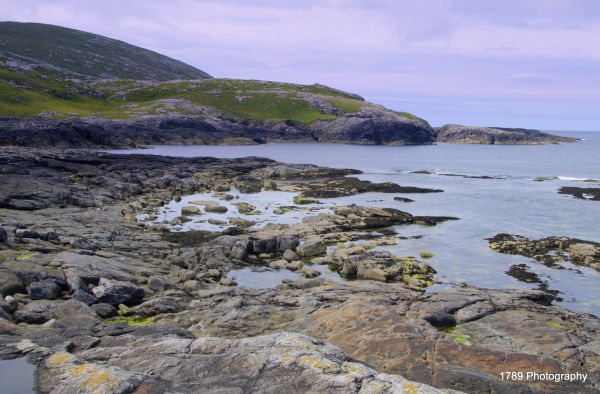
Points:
[(287, 242), (239, 250), (104, 310), (190, 210), (44, 290), (10, 283), (215, 208), (3, 235), (114, 293), (290, 255), (161, 283), (313, 246), (36, 312), (295, 265), (157, 306)]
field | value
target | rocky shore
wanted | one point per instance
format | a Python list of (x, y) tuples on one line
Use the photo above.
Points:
[(100, 300)]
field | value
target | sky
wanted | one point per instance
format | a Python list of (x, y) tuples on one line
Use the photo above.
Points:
[(511, 63)]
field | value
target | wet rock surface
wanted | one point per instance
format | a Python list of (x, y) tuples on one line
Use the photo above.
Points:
[(583, 193), (551, 251), (127, 307)]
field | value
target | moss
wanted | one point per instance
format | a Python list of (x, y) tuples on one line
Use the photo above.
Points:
[(270, 185), (135, 321), (317, 362), (410, 388), (555, 325), (26, 256), (462, 339), (59, 358), (2, 258), (407, 115), (301, 200), (426, 254)]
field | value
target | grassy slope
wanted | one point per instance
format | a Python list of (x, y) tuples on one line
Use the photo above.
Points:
[(60, 73), (35, 92), (86, 54)]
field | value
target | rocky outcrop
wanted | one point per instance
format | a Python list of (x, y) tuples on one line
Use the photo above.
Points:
[(138, 308), (372, 128), (458, 134), (550, 251), (583, 193)]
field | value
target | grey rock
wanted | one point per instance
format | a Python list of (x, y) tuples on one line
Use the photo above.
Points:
[(36, 312), (161, 283), (313, 246), (104, 310), (290, 255), (114, 293), (10, 283), (44, 290)]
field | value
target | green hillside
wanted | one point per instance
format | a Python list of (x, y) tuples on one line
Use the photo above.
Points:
[(60, 73), (79, 53)]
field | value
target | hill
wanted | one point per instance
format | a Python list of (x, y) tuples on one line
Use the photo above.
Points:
[(78, 54), (458, 134), (63, 87)]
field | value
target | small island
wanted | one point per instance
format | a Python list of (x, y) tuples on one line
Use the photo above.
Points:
[(459, 134)]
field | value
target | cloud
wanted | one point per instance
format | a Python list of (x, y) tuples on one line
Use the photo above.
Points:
[(415, 53)]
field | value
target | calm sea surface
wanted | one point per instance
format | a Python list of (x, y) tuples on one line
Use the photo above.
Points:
[(515, 201)]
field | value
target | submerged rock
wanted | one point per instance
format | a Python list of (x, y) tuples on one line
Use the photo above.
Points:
[(551, 250)]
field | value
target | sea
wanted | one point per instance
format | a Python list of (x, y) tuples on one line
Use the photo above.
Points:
[(492, 189)]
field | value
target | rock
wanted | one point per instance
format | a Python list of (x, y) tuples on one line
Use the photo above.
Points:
[(26, 233), (161, 283), (214, 273), (10, 283), (104, 310), (11, 304), (295, 265), (72, 309), (583, 193), (278, 264), (309, 272), (241, 222), (426, 254), (313, 246), (290, 255), (44, 290), (551, 251), (216, 222), (215, 208), (190, 210), (244, 208), (157, 306), (239, 250), (192, 285), (458, 134), (284, 243), (114, 293), (439, 318), (317, 367), (36, 312), (3, 235), (320, 260)]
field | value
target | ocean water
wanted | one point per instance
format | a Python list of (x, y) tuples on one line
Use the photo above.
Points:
[(520, 198)]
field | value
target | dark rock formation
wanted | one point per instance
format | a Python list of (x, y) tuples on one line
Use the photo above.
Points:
[(458, 134)]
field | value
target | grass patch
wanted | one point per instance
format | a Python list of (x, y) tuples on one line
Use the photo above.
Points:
[(26, 256), (131, 321), (407, 115), (346, 106)]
